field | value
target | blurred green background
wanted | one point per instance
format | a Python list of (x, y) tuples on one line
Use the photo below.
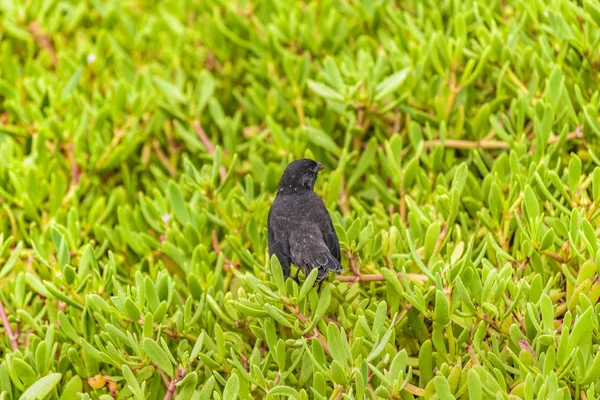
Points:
[(141, 144)]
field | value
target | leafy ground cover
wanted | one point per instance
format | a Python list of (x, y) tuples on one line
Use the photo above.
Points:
[(141, 144)]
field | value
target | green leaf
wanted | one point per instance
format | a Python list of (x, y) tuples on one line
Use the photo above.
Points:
[(474, 385), (206, 89), (280, 354), (168, 90), (582, 330), (391, 83), (366, 160), (592, 8), (392, 279), (531, 203), (277, 273), (590, 113), (132, 382), (320, 138), (207, 390), (466, 80), (197, 347), (460, 178), (24, 371), (277, 315), (232, 388), (71, 84), (67, 327), (574, 173), (431, 237), (555, 85), (332, 74), (132, 309), (308, 284), (158, 356), (42, 388), (322, 306), (56, 293), (178, 203), (10, 263), (464, 294), (442, 388), (593, 373), (380, 346), (442, 310), (72, 388), (325, 91), (338, 374), (334, 340), (426, 363), (416, 257), (283, 391), (547, 240), (547, 311)]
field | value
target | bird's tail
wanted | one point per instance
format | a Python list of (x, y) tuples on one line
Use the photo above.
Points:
[(326, 264), (333, 264)]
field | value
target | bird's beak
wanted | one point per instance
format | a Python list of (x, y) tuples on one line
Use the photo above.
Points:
[(320, 166)]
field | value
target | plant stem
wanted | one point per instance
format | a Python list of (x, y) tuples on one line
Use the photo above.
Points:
[(468, 144), (353, 265), (164, 376), (414, 390), (207, 144), (171, 389), (9, 331), (164, 159), (303, 319), (454, 90), (377, 277), (228, 263), (492, 144)]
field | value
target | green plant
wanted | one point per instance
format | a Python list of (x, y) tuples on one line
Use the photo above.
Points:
[(141, 145)]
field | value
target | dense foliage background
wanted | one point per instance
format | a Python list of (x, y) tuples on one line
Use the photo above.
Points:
[(141, 144)]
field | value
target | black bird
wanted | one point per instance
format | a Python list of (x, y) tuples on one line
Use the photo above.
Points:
[(299, 225)]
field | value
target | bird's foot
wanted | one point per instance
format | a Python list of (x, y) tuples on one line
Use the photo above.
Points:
[(319, 287)]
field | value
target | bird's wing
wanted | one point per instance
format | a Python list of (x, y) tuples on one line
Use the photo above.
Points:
[(278, 241), (332, 241), (309, 250), (328, 231)]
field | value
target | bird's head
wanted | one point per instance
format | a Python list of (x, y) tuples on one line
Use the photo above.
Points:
[(300, 175)]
